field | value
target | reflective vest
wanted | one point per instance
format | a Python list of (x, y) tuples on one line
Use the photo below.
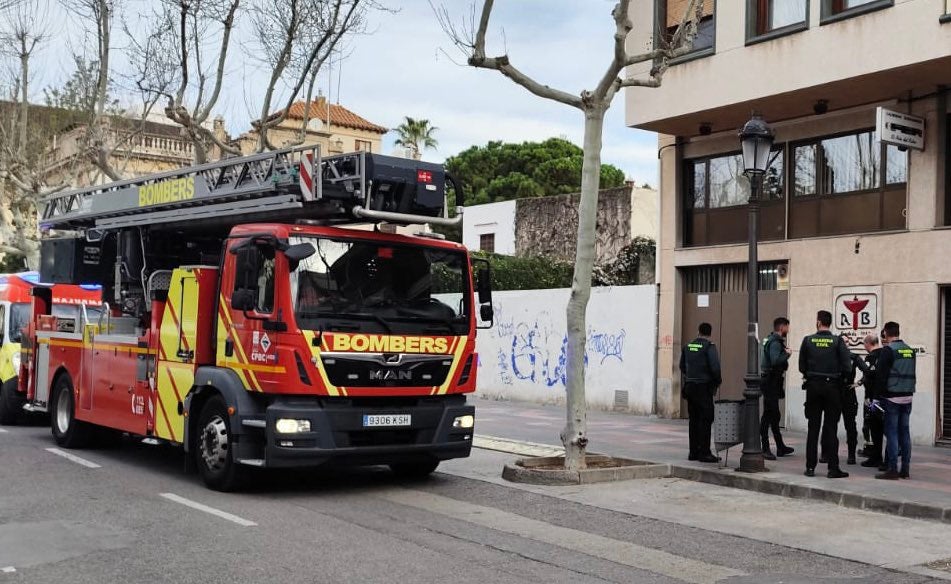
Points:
[(901, 378)]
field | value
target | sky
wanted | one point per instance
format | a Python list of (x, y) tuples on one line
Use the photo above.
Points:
[(406, 66)]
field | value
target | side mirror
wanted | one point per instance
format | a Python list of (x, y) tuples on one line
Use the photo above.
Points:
[(483, 280), (242, 299), (486, 313), (300, 252)]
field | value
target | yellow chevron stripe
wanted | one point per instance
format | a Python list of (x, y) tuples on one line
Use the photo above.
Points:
[(239, 350), (318, 363), (460, 347)]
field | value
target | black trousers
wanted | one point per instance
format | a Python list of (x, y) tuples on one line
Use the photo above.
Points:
[(700, 410), (772, 389), (850, 409), (823, 409), (876, 430)]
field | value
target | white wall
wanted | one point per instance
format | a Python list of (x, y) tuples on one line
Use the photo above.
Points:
[(523, 356), (497, 218), (644, 213)]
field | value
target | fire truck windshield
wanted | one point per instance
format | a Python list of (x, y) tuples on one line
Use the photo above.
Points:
[(377, 287)]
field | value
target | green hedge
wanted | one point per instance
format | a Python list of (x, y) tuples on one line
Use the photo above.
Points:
[(527, 273)]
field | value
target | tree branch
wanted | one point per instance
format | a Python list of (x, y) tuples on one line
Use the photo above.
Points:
[(502, 64)]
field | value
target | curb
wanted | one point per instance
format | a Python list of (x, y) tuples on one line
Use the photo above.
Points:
[(770, 486), (528, 473)]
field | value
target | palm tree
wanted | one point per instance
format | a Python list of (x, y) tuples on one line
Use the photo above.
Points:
[(416, 135)]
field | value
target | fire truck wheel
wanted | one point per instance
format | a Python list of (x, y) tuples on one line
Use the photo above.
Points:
[(67, 430), (213, 452), (414, 470), (10, 403)]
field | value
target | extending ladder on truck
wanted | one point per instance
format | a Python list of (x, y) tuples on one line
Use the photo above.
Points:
[(288, 184)]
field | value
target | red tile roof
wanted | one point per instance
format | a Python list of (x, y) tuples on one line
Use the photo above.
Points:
[(339, 115)]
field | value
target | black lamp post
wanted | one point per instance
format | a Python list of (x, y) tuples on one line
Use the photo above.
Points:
[(756, 138)]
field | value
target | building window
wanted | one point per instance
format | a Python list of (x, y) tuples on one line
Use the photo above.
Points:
[(487, 242), (718, 193), (672, 13), (847, 184), (833, 10), (776, 16), (364, 146)]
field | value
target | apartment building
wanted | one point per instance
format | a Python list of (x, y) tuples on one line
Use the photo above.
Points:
[(849, 223)]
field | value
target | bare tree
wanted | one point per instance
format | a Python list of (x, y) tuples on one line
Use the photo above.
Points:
[(22, 32), (471, 39), (296, 37), (183, 60)]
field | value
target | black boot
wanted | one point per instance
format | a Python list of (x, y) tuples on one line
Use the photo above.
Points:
[(767, 453)]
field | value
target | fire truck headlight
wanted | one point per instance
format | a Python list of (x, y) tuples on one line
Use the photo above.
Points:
[(15, 360), (466, 421), (291, 426)]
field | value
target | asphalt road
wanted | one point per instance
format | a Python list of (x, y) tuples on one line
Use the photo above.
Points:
[(130, 514)]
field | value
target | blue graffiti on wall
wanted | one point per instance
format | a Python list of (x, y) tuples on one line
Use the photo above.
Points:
[(536, 355)]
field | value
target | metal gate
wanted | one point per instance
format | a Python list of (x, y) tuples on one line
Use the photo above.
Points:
[(946, 370), (717, 294)]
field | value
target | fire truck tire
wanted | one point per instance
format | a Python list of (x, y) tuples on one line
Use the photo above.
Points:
[(214, 456), (414, 470), (67, 430), (11, 406)]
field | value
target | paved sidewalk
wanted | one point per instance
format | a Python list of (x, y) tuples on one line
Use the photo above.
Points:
[(927, 495)]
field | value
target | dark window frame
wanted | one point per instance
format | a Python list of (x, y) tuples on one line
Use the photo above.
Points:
[(834, 10), (821, 189), (660, 19), (756, 23), (710, 213), (820, 156), (484, 237)]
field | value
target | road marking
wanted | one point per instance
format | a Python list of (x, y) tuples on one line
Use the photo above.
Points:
[(612, 550), (211, 510), (8, 570), (519, 447), (73, 457), (3, 431)]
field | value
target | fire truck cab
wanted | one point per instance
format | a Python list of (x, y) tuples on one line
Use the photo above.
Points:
[(249, 323), (15, 307)]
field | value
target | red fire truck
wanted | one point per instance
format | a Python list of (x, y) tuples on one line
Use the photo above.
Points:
[(249, 322), (15, 311)]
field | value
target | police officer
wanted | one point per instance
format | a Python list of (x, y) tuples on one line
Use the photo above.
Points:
[(897, 366), (824, 361), (700, 367), (774, 366)]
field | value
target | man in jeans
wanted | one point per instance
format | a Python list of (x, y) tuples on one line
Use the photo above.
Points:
[(896, 366)]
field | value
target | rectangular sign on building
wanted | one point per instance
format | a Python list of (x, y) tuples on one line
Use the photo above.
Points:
[(856, 313), (900, 129)]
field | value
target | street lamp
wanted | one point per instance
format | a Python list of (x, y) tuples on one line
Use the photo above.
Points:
[(756, 139)]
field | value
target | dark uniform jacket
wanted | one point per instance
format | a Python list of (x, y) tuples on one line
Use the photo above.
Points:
[(775, 358), (699, 362), (874, 386), (824, 356)]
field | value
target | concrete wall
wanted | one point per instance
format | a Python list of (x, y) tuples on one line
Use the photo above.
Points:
[(644, 213), (497, 218), (523, 356), (907, 33)]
